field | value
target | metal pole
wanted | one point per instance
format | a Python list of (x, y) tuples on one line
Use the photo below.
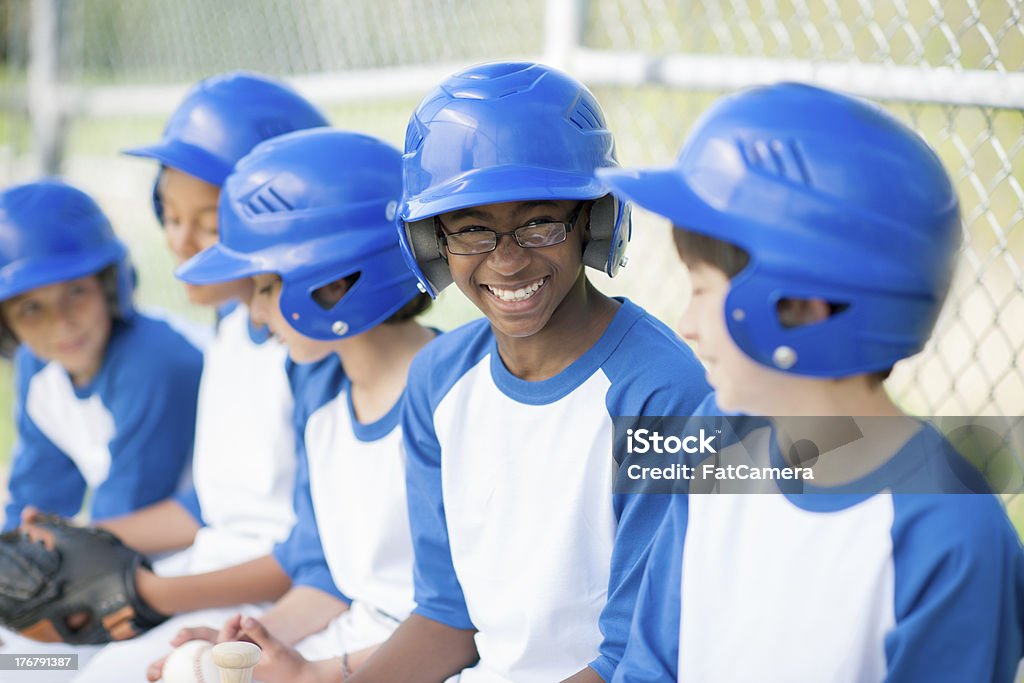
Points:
[(563, 31), (44, 106)]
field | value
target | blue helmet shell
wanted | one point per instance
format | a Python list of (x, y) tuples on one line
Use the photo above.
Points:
[(52, 232), (314, 207), (832, 198), (221, 119), (500, 132)]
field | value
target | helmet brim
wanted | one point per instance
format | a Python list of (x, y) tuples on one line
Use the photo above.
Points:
[(501, 184), (218, 264), (185, 158), (659, 190), (28, 275)]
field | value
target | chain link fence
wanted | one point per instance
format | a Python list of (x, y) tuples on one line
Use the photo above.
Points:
[(953, 70)]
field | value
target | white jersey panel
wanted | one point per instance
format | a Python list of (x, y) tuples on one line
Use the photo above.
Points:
[(358, 492), (531, 523), (244, 459), (81, 427), (845, 577)]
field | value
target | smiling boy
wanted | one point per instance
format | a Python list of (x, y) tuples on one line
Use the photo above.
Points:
[(526, 564)]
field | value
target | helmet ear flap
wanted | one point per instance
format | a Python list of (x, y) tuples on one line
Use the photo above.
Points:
[(158, 205), (426, 251), (606, 250)]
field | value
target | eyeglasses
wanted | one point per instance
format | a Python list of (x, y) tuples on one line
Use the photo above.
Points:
[(478, 240)]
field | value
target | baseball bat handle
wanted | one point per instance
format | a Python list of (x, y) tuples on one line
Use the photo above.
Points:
[(236, 661)]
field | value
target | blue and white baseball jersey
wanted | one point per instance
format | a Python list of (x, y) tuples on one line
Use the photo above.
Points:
[(243, 467), (835, 587), (126, 435), (352, 536), (516, 531)]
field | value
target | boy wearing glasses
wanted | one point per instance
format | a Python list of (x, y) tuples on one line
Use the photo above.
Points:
[(527, 565)]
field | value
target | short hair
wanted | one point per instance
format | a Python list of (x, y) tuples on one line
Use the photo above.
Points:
[(694, 248)]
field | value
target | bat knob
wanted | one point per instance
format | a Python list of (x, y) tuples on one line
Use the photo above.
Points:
[(236, 661)]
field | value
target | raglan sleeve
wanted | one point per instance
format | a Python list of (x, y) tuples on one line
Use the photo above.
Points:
[(652, 650), (438, 593), (152, 398), (959, 590), (301, 555), (669, 383), (41, 474)]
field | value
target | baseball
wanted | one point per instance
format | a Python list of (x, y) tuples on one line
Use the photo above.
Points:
[(191, 662)]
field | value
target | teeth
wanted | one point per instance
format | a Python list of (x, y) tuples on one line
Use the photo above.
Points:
[(521, 294)]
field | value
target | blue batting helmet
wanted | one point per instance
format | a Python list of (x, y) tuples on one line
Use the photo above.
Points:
[(314, 207), (506, 132), (833, 199), (51, 232), (222, 119)]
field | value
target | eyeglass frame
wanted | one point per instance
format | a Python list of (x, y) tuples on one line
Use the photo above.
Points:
[(569, 223)]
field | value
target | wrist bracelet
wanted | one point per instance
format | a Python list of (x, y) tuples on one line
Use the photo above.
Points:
[(345, 670)]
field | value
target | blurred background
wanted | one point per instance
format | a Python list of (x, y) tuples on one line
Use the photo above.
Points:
[(81, 80)]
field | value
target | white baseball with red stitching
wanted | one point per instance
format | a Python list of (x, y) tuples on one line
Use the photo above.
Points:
[(191, 662)]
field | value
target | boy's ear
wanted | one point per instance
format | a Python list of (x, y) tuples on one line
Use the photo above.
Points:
[(330, 294), (798, 312)]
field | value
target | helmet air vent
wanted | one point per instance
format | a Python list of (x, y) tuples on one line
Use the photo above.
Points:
[(584, 117), (266, 200), (780, 158)]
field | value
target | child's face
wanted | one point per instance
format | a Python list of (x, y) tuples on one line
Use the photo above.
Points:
[(741, 384), (517, 288), (68, 322), (190, 226), (265, 309)]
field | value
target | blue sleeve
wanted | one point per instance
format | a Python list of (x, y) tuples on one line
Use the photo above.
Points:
[(959, 574), (438, 593), (189, 500), (639, 516), (669, 382), (301, 555), (152, 393), (41, 474), (652, 653)]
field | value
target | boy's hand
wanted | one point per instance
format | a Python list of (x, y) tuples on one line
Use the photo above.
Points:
[(29, 513), (31, 517), (156, 669), (279, 662), (231, 630)]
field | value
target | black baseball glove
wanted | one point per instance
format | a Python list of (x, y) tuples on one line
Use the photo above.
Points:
[(71, 584)]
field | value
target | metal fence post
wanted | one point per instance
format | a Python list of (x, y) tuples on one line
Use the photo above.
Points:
[(563, 31), (44, 95)]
